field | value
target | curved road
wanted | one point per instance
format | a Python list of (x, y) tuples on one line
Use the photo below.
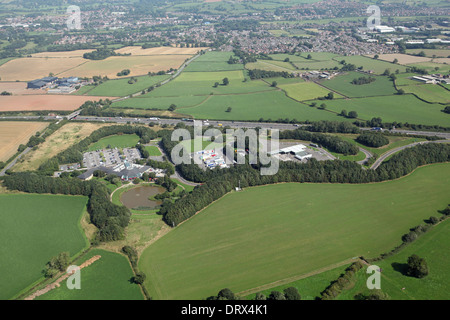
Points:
[(378, 162)]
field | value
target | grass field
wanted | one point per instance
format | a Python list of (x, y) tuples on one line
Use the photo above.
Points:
[(367, 63), (431, 246), (304, 91), (266, 234), (190, 145), (115, 141), (429, 92), (267, 105), (202, 83), (33, 229), (214, 61), (15, 133), (163, 103), (382, 86), (153, 151), (106, 279), (431, 67), (400, 108), (310, 287), (121, 87)]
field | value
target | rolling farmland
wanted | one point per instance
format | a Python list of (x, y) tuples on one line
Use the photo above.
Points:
[(310, 233)]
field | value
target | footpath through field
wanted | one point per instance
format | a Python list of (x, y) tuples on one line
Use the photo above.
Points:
[(296, 278)]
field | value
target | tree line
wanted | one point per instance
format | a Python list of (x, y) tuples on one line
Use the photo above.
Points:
[(218, 182)]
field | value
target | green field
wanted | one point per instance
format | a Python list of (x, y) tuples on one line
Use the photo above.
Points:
[(430, 92), (214, 61), (431, 67), (382, 86), (377, 66), (310, 287), (431, 246), (267, 105), (115, 141), (202, 83), (304, 91), (270, 233), (162, 103), (121, 87), (400, 108), (190, 145), (33, 229), (153, 150), (106, 279)]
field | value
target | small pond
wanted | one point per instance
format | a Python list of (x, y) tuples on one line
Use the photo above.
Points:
[(137, 198)]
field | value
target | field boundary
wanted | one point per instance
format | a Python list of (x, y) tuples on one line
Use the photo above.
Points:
[(296, 278)]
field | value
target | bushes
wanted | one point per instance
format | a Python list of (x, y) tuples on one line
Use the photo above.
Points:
[(417, 267), (371, 139), (336, 287)]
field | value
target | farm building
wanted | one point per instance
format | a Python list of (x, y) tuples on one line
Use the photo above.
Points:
[(40, 83)]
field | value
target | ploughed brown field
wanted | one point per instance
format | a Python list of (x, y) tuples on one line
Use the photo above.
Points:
[(44, 102)]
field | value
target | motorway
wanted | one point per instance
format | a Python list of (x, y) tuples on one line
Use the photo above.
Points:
[(205, 123)]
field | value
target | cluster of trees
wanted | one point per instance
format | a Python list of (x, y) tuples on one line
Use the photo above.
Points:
[(329, 96), (332, 143), (109, 218), (102, 53), (336, 287), (124, 72), (290, 293), (372, 139), (417, 267), (57, 264), (363, 80), (446, 110), (261, 74), (167, 183), (332, 127)]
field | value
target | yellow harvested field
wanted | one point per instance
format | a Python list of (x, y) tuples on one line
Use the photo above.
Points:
[(138, 65), (442, 60), (27, 69), (403, 58), (62, 54), (19, 88), (138, 51), (44, 102), (15, 133), (57, 142)]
